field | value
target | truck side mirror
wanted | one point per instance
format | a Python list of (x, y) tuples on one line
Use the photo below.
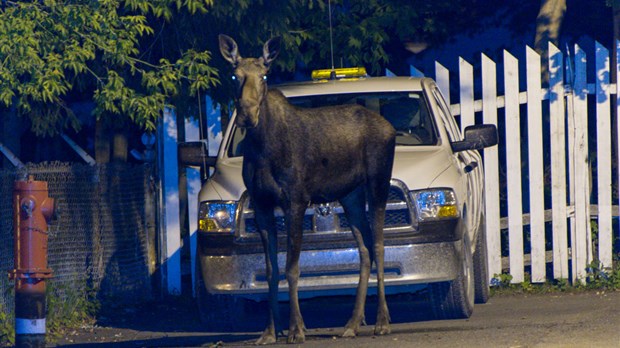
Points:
[(476, 137)]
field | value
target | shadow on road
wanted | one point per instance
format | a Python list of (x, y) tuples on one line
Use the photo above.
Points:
[(176, 322)]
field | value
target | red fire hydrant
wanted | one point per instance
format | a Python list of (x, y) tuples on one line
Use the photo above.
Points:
[(33, 209)]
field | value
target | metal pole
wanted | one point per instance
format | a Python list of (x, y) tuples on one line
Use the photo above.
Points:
[(10, 156)]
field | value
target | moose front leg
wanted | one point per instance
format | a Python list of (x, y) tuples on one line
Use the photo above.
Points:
[(382, 326), (269, 238), (295, 215)]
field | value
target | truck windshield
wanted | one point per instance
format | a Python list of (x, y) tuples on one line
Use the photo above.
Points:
[(406, 111)]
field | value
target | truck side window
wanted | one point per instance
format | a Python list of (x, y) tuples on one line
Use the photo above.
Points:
[(451, 127), (234, 148)]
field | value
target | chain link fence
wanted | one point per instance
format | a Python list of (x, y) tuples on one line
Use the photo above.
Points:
[(102, 238)]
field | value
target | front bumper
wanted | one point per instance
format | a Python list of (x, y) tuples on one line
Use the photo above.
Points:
[(332, 271)]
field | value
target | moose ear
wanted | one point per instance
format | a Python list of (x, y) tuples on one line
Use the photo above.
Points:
[(229, 49), (271, 50)]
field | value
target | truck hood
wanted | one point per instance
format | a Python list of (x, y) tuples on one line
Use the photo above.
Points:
[(418, 167)]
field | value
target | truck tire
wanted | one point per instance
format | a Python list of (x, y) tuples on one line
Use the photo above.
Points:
[(481, 265), (455, 299)]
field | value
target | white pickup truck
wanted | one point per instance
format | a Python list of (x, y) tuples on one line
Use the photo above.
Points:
[(434, 225)]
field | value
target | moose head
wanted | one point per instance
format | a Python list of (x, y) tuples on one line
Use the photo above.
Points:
[(250, 76)]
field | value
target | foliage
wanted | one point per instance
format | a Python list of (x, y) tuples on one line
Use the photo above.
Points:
[(69, 307), (597, 278), (55, 50), (602, 278), (7, 332), (374, 33), (133, 56), (502, 280), (502, 284), (369, 33)]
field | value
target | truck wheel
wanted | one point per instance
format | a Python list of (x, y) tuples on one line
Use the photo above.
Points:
[(217, 312), (481, 265), (455, 299)]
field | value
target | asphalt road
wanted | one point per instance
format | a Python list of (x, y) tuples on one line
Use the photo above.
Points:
[(589, 319)]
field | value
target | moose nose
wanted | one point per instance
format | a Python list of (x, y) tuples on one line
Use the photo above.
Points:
[(248, 115)]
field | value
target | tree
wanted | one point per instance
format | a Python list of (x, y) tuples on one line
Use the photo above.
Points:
[(370, 33), (133, 56), (548, 25), (53, 50)]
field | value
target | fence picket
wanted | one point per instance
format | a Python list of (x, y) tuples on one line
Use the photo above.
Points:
[(491, 169), (567, 111), (558, 168), (581, 180), (603, 154), (617, 115), (442, 77), (536, 166), (466, 84), (513, 167), (570, 152)]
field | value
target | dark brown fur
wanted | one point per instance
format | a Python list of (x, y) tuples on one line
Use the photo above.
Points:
[(296, 156)]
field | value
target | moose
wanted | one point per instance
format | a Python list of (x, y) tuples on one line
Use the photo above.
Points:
[(293, 157)]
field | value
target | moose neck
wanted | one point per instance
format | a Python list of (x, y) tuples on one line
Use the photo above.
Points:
[(272, 119), (271, 132)]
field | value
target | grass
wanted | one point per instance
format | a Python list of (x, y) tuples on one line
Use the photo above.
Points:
[(70, 307), (67, 308), (7, 337), (597, 278)]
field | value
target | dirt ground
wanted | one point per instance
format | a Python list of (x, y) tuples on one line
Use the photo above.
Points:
[(583, 319)]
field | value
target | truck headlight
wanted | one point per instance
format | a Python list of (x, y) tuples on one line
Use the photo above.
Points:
[(217, 216), (435, 204)]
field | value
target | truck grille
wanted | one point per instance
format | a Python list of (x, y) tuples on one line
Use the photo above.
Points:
[(330, 218)]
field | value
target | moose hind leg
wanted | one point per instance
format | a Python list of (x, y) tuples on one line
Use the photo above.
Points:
[(354, 207), (295, 216), (377, 199), (268, 233)]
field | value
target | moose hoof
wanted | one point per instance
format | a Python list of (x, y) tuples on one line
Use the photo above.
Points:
[(353, 326), (381, 330), (268, 337), (296, 336), (349, 332)]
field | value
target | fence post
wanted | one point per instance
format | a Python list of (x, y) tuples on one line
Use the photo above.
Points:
[(170, 231)]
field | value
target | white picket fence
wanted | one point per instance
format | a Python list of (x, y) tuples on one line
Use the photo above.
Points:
[(566, 104)]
